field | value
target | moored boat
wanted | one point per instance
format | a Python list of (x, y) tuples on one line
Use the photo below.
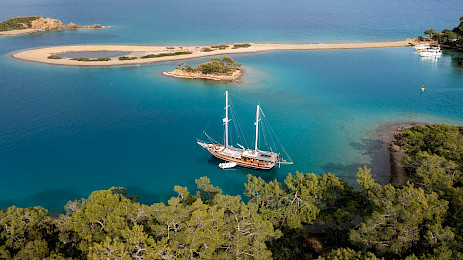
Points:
[(431, 52), (227, 165), (251, 158), (421, 47)]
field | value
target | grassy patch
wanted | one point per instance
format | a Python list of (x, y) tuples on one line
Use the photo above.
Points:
[(165, 54), (220, 47), (244, 45), (54, 57), (87, 59), (127, 58)]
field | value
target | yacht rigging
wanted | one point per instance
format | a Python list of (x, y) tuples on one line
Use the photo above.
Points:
[(245, 157)]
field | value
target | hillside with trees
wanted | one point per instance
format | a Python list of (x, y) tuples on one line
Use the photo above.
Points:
[(17, 23), (307, 216), (452, 39)]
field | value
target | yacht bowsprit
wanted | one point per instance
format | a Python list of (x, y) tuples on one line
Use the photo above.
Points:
[(251, 158)]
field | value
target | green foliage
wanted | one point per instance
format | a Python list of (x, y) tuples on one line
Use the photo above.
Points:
[(245, 45), (435, 164), (430, 32), (225, 65), (206, 49), (443, 140), (54, 57), (81, 59), (301, 199), (165, 54), (17, 23), (127, 58), (449, 38), (103, 59), (403, 218), (220, 47), (349, 254), (294, 244), (22, 232)]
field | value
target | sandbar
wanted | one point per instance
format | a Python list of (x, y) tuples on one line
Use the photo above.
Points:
[(42, 54)]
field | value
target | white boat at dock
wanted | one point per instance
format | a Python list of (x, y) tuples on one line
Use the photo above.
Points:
[(421, 47), (245, 157), (432, 52)]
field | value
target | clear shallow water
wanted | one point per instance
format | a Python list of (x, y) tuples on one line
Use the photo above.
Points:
[(66, 131)]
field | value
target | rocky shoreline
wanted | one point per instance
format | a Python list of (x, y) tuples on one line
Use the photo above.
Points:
[(396, 154), (48, 24), (178, 73)]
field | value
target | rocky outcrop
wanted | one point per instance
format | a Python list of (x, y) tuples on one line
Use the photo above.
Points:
[(178, 73), (43, 24), (55, 24)]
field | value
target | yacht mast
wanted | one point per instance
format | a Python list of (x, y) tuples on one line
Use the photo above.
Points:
[(226, 120), (257, 126)]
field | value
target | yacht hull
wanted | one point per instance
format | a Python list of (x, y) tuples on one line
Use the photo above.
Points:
[(220, 152)]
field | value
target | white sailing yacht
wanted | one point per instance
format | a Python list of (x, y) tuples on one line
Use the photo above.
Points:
[(251, 158)]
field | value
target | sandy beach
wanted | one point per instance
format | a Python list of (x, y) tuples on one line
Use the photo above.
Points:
[(42, 54)]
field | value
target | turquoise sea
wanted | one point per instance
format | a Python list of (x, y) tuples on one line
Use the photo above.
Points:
[(67, 131)]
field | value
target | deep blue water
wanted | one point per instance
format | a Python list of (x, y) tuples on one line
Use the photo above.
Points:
[(66, 131)]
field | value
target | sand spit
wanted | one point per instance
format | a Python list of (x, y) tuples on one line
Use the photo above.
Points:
[(42, 54)]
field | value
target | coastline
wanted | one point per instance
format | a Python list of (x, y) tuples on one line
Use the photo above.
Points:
[(386, 163), (177, 73), (20, 32), (41, 54), (36, 24)]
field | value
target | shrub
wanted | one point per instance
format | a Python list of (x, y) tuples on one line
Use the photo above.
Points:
[(127, 58), (245, 45), (81, 59), (206, 49), (103, 59), (165, 54), (54, 57), (220, 47), (170, 48)]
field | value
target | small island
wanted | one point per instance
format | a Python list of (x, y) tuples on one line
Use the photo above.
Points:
[(32, 24), (217, 69)]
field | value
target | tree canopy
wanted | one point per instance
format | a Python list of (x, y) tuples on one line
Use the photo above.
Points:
[(449, 38), (224, 65)]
